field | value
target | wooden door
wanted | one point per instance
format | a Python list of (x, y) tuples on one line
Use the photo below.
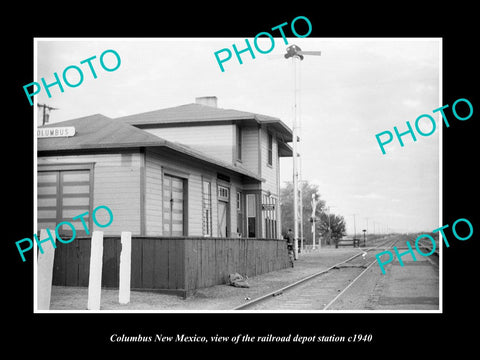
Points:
[(64, 193), (173, 206), (222, 219)]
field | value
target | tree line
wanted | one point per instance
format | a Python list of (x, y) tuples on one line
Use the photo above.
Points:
[(329, 227)]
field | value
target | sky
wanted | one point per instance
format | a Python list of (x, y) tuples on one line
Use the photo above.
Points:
[(356, 89)]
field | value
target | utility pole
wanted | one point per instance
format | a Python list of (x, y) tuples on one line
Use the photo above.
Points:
[(297, 55), (295, 59), (300, 198), (314, 207), (366, 230), (328, 208), (45, 115), (354, 227), (329, 226)]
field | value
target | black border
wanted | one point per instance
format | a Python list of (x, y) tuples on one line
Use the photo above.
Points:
[(426, 333)]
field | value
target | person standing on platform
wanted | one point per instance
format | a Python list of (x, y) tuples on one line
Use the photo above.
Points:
[(290, 238)]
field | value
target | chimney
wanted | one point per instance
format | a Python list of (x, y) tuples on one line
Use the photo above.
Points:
[(207, 100)]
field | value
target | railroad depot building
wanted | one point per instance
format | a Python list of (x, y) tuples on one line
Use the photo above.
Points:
[(196, 185)]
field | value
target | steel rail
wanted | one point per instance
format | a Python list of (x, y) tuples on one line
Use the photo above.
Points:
[(435, 252), (301, 281), (353, 281), (348, 286)]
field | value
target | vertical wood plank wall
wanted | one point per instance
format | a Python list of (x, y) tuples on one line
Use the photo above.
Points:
[(178, 265), (209, 261)]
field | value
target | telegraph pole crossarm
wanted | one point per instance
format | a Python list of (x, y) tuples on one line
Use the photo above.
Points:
[(45, 115)]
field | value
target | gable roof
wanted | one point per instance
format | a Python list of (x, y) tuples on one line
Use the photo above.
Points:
[(198, 113), (97, 132)]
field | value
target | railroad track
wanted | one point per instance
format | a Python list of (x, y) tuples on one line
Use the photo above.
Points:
[(427, 248), (321, 289)]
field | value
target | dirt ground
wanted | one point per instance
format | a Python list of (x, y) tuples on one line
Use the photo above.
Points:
[(215, 298), (412, 287)]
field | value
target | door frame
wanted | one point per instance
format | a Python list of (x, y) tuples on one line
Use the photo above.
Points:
[(181, 176), (61, 167), (227, 202)]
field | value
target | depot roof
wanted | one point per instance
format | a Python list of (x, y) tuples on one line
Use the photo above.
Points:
[(199, 113), (97, 132)]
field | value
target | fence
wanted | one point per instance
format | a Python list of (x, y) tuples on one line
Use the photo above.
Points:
[(208, 261), (171, 265)]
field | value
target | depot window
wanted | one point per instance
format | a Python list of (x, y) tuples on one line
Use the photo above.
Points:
[(223, 193), (207, 208), (251, 215), (269, 212), (270, 149), (239, 143)]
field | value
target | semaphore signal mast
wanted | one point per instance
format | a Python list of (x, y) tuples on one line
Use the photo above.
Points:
[(294, 52)]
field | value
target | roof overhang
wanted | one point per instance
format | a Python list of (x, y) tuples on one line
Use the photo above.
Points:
[(100, 133), (284, 150), (193, 114)]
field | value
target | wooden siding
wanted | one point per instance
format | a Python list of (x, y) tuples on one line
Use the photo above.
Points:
[(175, 265), (158, 164), (153, 194), (71, 263), (157, 263), (209, 261), (130, 184), (193, 173), (116, 184), (269, 172), (214, 140), (250, 149)]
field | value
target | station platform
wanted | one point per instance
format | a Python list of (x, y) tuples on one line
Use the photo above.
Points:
[(218, 297), (412, 287)]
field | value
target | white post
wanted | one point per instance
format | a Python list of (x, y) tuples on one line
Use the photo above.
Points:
[(300, 201), (354, 227), (125, 267), (95, 276), (45, 273), (295, 160), (314, 207)]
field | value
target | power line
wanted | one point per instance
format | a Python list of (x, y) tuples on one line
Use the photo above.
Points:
[(45, 115)]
